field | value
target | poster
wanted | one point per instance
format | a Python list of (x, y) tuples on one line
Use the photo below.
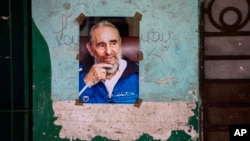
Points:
[(168, 72)]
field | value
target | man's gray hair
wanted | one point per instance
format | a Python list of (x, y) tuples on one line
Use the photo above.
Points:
[(102, 23)]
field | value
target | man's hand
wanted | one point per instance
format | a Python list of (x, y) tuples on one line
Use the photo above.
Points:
[(96, 73)]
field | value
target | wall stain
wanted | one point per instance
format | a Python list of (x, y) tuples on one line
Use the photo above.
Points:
[(104, 2), (66, 6)]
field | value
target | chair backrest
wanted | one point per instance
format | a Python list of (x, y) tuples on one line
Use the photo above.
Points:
[(130, 49)]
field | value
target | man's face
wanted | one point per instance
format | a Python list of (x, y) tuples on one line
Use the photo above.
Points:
[(106, 45)]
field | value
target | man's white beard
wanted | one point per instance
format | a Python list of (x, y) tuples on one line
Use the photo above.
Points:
[(114, 67)]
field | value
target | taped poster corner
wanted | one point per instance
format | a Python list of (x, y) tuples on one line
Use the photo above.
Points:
[(80, 18), (138, 16), (138, 103), (140, 55), (78, 102)]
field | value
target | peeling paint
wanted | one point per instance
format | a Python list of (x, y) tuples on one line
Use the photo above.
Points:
[(146, 137), (126, 123), (100, 138), (180, 135), (194, 120), (168, 80), (165, 80)]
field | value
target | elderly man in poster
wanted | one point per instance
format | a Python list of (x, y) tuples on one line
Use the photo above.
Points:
[(112, 78)]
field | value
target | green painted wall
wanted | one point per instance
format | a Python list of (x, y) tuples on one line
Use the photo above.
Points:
[(169, 41)]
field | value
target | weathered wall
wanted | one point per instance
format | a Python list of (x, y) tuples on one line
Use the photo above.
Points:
[(168, 72)]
